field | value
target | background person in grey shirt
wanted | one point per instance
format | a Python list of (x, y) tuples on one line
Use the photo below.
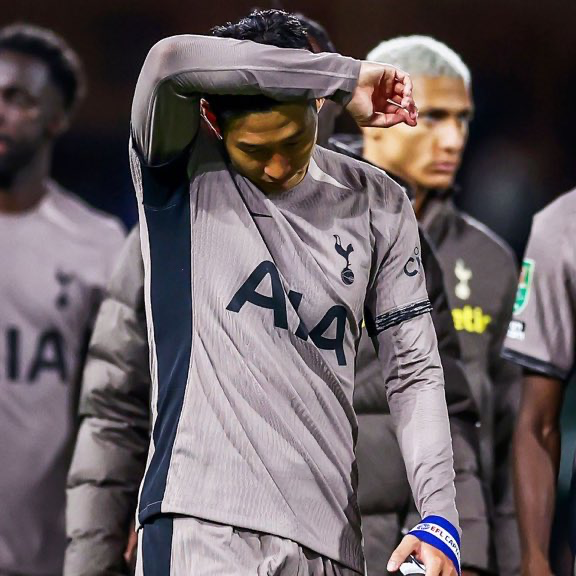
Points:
[(55, 261), (542, 340), (247, 391)]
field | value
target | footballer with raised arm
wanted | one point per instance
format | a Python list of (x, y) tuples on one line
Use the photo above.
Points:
[(262, 255)]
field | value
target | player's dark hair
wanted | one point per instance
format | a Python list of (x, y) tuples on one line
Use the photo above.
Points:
[(317, 34), (45, 45), (271, 27)]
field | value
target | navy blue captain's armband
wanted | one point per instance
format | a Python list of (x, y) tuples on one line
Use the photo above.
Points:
[(438, 532)]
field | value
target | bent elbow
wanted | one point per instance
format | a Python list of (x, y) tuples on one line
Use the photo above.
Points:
[(158, 59)]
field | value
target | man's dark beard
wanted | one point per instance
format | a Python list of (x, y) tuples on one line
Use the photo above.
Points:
[(6, 179), (13, 162)]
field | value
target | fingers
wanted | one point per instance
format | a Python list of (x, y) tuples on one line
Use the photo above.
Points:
[(403, 89), (409, 106), (436, 562), (408, 545), (434, 567), (412, 110), (405, 79), (392, 118), (389, 88), (131, 548), (407, 86), (383, 97), (399, 88), (401, 94)]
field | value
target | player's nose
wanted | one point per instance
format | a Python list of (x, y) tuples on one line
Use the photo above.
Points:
[(278, 167), (452, 136)]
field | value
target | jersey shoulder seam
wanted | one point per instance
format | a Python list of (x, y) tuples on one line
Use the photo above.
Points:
[(481, 229)]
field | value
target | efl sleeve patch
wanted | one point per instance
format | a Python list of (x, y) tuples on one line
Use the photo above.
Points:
[(441, 534)]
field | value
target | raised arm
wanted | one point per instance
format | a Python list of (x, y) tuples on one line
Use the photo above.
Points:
[(179, 70)]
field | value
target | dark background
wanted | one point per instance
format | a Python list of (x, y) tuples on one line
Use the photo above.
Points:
[(522, 54)]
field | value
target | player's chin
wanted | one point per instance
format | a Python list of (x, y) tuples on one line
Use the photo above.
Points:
[(282, 185), (439, 181)]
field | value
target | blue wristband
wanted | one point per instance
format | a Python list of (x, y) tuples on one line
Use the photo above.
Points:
[(438, 532)]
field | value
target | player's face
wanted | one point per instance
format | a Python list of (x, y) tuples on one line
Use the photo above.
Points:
[(30, 110), (428, 155), (273, 148)]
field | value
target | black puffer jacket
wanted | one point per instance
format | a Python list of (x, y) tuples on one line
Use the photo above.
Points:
[(112, 444)]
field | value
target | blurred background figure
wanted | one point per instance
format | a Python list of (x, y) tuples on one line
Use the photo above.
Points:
[(55, 261), (479, 269), (542, 340)]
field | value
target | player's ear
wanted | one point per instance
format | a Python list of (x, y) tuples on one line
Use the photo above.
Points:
[(319, 103), (58, 124), (210, 117)]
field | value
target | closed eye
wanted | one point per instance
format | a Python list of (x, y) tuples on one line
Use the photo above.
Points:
[(252, 150)]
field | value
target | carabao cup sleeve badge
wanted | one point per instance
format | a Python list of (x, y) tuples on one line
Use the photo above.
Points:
[(524, 286), (438, 532)]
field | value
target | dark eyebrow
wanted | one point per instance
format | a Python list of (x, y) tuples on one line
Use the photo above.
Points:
[(248, 144), (467, 112)]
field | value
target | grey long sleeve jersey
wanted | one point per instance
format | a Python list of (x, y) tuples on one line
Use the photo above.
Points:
[(383, 227), (111, 452)]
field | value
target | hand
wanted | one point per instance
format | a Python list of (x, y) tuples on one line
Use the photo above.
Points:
[(436, 562), (131, 548), (378, 83)]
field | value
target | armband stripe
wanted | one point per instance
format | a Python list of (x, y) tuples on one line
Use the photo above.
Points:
[(395, 317), (438, 532)]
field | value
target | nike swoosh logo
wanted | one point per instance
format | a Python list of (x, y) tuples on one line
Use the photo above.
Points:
[(256, 215)]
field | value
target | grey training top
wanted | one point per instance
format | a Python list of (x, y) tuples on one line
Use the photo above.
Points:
[(255, 304), (542, 333), (55, 263)]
